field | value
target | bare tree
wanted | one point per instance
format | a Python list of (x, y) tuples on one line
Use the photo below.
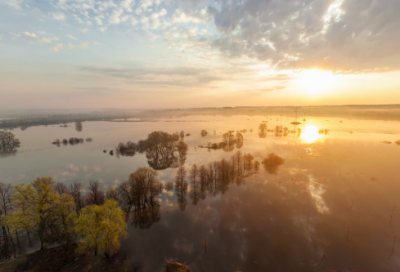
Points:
[(124, 193), (75, 189), (7, 246), (181, 186), (95, 196), (60, 188), (112, 193)]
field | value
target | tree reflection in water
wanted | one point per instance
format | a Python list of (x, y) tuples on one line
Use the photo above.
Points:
[(139, 196), (272, 163), (163, 150), (181, 187), (229, 142)]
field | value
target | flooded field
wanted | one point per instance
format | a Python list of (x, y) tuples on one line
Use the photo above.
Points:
[(319, 196)]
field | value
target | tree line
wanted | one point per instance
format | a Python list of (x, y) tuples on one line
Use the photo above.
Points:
[(48, 213), (279, 131), (229, 142)]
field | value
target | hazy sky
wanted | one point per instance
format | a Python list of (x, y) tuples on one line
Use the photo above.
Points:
[(195, 53)]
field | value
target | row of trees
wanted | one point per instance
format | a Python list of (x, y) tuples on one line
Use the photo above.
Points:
[(71, 141), (50, 213), (279, 131), (229, 142)]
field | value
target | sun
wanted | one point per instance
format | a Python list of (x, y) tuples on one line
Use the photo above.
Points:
[(310, 134), (316, 81)]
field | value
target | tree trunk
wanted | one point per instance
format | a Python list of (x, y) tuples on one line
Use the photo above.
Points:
[(41, 234)]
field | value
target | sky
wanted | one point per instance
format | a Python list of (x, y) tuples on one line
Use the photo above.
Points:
[(195, 53)]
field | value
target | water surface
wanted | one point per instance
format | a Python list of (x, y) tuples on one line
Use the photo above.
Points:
[(333, 206)]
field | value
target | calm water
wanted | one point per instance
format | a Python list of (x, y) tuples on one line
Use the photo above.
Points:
[(333, 206)]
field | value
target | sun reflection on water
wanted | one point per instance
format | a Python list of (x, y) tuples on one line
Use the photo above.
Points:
[(310, 134)]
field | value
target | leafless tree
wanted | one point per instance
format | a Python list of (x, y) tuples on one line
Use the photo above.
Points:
[(75, 190), (112, 193), (124, 193), (95, 196), (60, 188), (181, 187), (7, 246)]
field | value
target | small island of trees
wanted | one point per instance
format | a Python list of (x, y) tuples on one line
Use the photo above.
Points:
[(8, 143), (163, 150)]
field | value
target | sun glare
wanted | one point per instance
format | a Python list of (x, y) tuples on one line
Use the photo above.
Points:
[(310, 134), (316, 81)]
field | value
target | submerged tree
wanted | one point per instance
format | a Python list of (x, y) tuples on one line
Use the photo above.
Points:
[(239, 140), (125, 197), (144, 187), (75, 190), (101, 227), (262, 131), (164, 150), (78, 126), (272, 163), (8, 143), (248, 162), (95, 196), (181, 186), (144, 190)]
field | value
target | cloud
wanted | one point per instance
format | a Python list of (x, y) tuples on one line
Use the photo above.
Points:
[(30, 35), (115, 16), (34, 38), (85, 30), (58, 16), (16, 4), (72, 37), (70, 46), (57, 47), (191, 16), (173, 76), (127, 5), (344, 36), (14, 35), (98, 21), (84, 44)]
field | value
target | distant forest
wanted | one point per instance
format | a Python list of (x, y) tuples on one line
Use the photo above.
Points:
[(12, 120)]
